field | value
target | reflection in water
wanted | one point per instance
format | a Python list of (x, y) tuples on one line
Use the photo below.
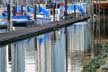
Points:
[(3, 56), (3, 30), (50, 54), (17, 57), (23, 56), (3, 59), (79, 44), (58, 52)]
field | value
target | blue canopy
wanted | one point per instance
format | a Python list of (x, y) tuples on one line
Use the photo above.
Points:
[(39, 10), (45, 12), (77, 8), (31, 9)]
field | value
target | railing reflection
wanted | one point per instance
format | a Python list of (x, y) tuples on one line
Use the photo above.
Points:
[(4, 56), (3, 59)]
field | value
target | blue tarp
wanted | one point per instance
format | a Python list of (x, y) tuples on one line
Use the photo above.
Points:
[(76, 7), (45, 12), (31, 9), (39, 10)]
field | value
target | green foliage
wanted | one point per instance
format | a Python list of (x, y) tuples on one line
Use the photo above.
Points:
[(97, 61)]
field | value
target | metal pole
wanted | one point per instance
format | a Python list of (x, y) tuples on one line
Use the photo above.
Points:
[(65, 8), (35, 14), (53, 9), (35, 38), (66, 37), (66, 46), (53, 12), (10, 28), (9, 7)]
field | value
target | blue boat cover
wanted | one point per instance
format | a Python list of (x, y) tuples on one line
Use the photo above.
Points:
[(20, 17), (31, 9), (45, 12), (76, 7), (39, 10)]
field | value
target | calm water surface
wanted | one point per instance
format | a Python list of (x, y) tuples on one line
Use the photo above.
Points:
[(50, 53)]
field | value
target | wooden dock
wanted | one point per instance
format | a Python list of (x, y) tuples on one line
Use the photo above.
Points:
[(9, 37)]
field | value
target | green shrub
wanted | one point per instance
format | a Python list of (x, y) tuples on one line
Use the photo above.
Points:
[(97, 61)]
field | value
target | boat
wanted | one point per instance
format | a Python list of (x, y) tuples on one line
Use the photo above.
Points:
[(21, 21), (3, 22), (41, 19), (75, 8)]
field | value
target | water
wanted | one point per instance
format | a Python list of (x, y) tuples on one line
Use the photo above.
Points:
[(3, 30), (3, 56), (49, 55)]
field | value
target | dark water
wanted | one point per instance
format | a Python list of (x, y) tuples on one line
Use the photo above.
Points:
[(50, 55)]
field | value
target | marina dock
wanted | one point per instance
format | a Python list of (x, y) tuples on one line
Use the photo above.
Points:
[(9, 37), (53, 35)]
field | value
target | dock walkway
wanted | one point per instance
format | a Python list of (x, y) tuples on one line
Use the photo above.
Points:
[(9, 37)]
